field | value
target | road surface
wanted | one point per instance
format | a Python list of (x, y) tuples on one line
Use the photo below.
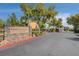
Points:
[(51, 44)]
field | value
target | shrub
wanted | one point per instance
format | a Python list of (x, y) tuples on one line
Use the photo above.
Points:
[(36, 32)]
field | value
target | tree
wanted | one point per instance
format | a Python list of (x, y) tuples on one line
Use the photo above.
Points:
[(59, 23), (23, 21), (54, 21), (74, 20), (51, 13), (27, 9), (12, 20), (36, 12), (1, 23), (40, 11)]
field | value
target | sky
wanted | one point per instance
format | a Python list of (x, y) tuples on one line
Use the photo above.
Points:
[(64, 10)]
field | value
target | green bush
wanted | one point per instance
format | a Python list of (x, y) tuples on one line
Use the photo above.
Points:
[(42, 26), (36, 32), (52, 30)]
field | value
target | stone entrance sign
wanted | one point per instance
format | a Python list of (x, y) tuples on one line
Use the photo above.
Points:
[(17, 30)]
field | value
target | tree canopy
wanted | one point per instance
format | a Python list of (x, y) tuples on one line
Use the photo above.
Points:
[(74, 20)]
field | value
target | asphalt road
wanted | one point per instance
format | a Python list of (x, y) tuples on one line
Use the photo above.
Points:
[(51, 44)]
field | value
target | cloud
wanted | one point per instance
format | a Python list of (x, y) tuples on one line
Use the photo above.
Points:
[(63, 16)]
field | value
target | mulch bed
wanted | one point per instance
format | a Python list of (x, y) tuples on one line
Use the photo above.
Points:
[(8, 42)]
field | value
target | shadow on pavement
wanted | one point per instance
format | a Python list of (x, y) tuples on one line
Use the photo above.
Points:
[(77, 35), (74, 38)]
